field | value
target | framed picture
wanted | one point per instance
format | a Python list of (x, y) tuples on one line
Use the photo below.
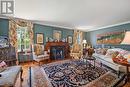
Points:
[(56, 35), (39, 38), (69, 39)]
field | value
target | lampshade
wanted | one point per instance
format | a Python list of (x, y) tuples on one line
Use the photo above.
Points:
[(84, 41), (126, 39)]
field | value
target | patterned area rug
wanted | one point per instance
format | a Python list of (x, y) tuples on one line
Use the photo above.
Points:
[(71, 73)]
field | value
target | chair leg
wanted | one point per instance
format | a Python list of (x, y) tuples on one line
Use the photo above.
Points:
[(118, 73), (48, 60), (33, 61), (21, 74), (39, 63)]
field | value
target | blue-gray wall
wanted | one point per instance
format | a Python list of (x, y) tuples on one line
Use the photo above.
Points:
[(48, 31), (91, 36), (4, 27)]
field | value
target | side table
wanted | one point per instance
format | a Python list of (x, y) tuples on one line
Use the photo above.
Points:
[(123, 62), (90, 59)]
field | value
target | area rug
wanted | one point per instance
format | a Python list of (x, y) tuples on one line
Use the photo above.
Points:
[(71, 73)]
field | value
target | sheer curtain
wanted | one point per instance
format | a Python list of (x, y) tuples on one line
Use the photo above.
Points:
[(13, 24)]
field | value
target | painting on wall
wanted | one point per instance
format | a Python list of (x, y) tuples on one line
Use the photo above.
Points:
[(69, 39), (57, 35), (110, 38), (39, 38)]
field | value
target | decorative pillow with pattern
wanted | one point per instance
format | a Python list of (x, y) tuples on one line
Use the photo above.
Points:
[(124, 52), (3, 66), (109, 53), (98, 51), (112, 53), (121, 51), (127, 55), (38, 49), (104, 51), (119, 56)]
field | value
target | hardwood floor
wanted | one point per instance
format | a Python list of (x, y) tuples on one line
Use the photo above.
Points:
[(25, 67)]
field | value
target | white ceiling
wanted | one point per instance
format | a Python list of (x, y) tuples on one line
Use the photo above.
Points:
[(86, 15)]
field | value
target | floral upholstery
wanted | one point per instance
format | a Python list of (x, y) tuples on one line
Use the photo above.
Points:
[(38, 53), (38, 49), (3, 66)]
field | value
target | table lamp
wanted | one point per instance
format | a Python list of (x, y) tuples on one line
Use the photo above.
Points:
[(84, 43), (126, 41)]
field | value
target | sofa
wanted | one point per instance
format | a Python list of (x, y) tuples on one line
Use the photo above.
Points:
[(11, 77), (105, 57)]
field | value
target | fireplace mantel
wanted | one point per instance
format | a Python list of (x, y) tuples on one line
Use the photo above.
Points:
[(65, 44)]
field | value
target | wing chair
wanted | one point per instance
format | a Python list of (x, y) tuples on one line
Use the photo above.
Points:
[(76, 51)]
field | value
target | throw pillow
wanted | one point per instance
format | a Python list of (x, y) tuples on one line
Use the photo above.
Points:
[(123, 52), (126, 55), (112, 53), (98, 51), (104, 51), (3, 66), (115, 54), (109, 53), (38, 49), (119, 56)]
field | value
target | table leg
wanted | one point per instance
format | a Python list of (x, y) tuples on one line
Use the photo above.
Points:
[(94, 63), (127, 73), (86, 62)]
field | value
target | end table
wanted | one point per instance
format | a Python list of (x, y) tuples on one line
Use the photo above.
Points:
[(123, 62)]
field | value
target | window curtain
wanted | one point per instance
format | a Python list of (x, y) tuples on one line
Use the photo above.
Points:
[(77, 42), (13, 24)]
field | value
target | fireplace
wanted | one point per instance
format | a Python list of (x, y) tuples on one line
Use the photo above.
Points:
[(57, 52), (64, 46)]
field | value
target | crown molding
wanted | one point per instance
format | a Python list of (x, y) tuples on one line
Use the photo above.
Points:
[(53, 25), (72, 28), (105, 27)]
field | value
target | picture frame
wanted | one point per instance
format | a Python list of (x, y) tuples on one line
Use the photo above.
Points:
[(57, 35), (40, 38), (69, 39)]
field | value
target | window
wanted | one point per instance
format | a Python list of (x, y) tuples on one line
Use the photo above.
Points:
[(23, 39), (79, 38)]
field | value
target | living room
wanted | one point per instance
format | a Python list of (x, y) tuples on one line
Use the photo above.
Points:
[(65, 43)]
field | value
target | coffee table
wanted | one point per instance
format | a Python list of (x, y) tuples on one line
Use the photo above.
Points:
[(123, 62), (87, 58)]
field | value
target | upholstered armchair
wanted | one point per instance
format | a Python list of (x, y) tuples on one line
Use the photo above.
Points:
[(76, 51), (39, 54)]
